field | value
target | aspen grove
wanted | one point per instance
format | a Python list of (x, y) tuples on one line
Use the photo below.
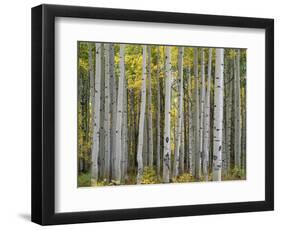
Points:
[(150, 114)]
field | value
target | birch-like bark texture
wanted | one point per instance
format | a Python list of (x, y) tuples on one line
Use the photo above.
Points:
[(142, 117), (124, 134), (167, 147), (150, 132), (179, 115), (218, 115), (102, 144), (182, 146), (96, 115), (196, 114), (206, 148), (120, 103), (228, 118), (158, 115), (202, 107), (91, 75), (191, 136), (113, 110), (107, 115), (170, 114), (237, 104)]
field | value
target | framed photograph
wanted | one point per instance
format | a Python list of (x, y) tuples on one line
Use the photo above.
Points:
[(143, 114)]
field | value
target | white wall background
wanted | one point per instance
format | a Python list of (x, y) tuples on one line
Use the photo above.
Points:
[(15, 113)]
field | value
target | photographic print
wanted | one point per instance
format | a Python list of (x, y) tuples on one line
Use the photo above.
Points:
[(149, 104), (152, 114)]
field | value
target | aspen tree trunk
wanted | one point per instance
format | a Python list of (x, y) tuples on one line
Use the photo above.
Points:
[(180, 114), (191, 136), (218, 115), (120, 103), (113, 97), (196, 125), (133, 129), (167, 147), (107, 115), (207, 121), (182, 146), (202, 107), (244, 125), (96, 116), (145, 140), (237, 136), (124, 134), (158, 115), (150, 131), (142, 117), (228, 118), (102, 144)]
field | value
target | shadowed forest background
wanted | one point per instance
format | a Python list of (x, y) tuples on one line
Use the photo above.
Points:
[(151, 114)]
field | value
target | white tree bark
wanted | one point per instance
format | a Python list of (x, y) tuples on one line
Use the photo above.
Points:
[(228, 117), (96, 116), (196, 125), (218, 115), (124, 134), (207, 121), (142, 117), (113, 109), (120, 103), (102, 144), (107, 114), (180, 113), (150, 130), (237, 104), (167, 147), (191, 136), (182, 146), (202, 106), (158, 115)]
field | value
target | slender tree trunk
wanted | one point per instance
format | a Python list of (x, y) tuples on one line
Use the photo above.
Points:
[(237, 101), (244, 125), (180, 114), (158, 115), (96, 116), (102, 143), (145, 140), (191, 124), (124, 134), (196, 125), (120, 103), (182, 146), (132, 130), (113, 97), (228, 118), (142, 117), (218, 115), (207, 121), (91, 76), (150, 130), (202, 107), (167, 147), (107, 114)]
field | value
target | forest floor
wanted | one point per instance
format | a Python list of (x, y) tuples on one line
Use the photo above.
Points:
[(150, 177)]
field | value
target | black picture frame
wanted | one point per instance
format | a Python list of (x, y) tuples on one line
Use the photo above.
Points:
[(43, 114)]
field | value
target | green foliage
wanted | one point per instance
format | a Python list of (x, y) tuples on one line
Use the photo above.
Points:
[(183, 178), (133, 68), (84, 180), (149, 176), (236, 174)]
